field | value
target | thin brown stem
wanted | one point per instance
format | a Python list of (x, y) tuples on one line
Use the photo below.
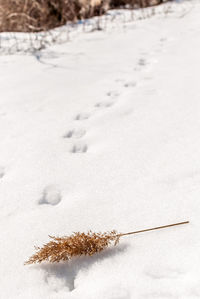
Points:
[(154, 228)]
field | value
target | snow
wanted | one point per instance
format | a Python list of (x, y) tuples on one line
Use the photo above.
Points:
[(102, 133)]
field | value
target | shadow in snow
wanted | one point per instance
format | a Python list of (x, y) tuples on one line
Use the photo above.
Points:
[(2, 172), (62, 275), (42, 56)]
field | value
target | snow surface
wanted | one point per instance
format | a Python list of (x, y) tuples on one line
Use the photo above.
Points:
[(104, 133)]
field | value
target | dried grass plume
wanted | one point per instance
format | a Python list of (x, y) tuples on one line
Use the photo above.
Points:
[(65, 248)]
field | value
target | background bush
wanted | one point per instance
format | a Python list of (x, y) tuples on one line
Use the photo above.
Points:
[(41, 15)]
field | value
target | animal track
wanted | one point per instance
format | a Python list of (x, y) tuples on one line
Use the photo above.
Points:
[(59, 277), (2, 172), (163, 39), (51, 196), (112, 94), (130, 84), (142, 62), (105, 104), (79, 148), (82, 116), (75, 133)]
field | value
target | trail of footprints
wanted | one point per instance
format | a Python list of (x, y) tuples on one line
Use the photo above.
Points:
[(51, 194), (79, 146)]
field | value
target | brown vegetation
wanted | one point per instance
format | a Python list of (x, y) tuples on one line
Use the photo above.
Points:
[(37, 15), (41, 15), (135, 3), (63, 249)]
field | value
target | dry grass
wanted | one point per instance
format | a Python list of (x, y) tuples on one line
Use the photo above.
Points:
[(37, 15), (135, 3), (65, 248), (42, 15)]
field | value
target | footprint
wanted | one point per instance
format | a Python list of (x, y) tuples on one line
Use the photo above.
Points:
[(130, 84), (105, 104), (142, 62), (75, 133), (163, 39), (51, 196), (82, 116), (112, 94), (79, 148), (59, 277), (2, 172)]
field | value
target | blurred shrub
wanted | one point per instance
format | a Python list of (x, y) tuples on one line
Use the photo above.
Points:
[(41, 15)]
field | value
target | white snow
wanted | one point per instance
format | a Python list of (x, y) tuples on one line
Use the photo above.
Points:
[(103, 133)]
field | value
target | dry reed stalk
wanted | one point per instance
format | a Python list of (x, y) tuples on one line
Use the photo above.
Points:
[(65, 248)]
